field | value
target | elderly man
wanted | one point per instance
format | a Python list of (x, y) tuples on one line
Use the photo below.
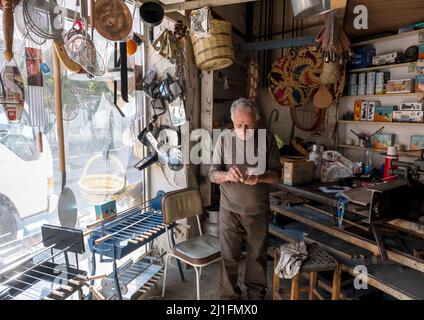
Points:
[(244, 204)]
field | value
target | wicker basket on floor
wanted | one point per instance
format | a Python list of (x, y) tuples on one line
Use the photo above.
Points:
[(215, 51), (99, 188)]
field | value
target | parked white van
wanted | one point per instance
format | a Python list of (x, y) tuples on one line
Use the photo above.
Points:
[(26, 177)]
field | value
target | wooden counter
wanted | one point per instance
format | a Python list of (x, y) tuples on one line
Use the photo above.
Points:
[(402, 277)]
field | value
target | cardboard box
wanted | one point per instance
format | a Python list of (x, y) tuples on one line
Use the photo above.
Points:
[(371, 110), (105, 210), (362, 79), (353, 79), (417, 142), (357, 110), (353, 90), (364, 111), (419, 83), (419, 67), (383, 113), (297, 172), (410, 106), (383, 140), (388, 58), (380, 83), (400, 86), (421, 52), (371, 77), (382, 77), (380, 89), (408, 116)]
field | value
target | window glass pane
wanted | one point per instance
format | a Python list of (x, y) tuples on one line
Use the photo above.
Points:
[(99, 142)]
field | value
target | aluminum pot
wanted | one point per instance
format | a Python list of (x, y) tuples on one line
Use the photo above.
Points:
[(210, 228), (213, 216), (308, 8)]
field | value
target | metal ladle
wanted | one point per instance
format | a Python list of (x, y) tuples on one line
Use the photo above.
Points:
[(67, 206)]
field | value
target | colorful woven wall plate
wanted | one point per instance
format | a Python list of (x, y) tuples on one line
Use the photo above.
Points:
[(292, 78)]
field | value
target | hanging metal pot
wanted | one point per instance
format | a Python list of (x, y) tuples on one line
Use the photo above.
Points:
[(151, 14), (113, 19), (308, 8)]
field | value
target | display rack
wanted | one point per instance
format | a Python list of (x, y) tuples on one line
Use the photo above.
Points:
[(383, 67), (383, 123), (411, 154), (386, 95), (393, 42), (394, 37)]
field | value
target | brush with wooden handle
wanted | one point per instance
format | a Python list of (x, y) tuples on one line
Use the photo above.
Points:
[(8, 26)]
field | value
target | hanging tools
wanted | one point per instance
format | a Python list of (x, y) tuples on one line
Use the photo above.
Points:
[(365, 136), (275, 114), (332, 41)]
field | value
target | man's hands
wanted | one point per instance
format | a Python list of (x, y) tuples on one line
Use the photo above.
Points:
[(235, 175), (252, 180)]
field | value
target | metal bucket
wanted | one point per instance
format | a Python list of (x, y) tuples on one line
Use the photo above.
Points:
[(212, 213), (308, 8), (210, 228)]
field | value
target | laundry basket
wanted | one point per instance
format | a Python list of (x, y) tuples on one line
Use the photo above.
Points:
[(100, 187), (215, 51)]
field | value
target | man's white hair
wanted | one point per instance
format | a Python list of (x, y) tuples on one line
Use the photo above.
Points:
[(245, 105)]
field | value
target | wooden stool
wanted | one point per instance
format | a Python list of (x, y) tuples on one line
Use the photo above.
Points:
[(317, 261)]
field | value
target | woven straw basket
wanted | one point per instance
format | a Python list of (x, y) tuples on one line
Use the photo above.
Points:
[(215, 51), (98, 188), (330, 73)]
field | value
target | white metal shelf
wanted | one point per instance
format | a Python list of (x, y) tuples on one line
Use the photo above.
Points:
[(367, 96), (388, 38), (384, 67), (382, 122), (412, 154)]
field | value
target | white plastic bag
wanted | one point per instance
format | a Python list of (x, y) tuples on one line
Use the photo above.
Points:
[(335, 167)]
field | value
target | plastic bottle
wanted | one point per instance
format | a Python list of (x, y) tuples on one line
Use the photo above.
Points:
[(316, 157), (368, 168)]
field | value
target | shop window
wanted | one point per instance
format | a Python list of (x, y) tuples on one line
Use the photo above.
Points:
[(95, 132)]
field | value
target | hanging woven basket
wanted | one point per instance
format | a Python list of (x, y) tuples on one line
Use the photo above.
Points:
[(215, 51), (331, 73), (98, 188), (293, 78)]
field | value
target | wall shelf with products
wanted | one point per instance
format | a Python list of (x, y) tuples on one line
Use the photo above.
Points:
[(400, 73), (383, 123), (383, 67), (394, 37), (398, 70), (412, 154), (386, 95)]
